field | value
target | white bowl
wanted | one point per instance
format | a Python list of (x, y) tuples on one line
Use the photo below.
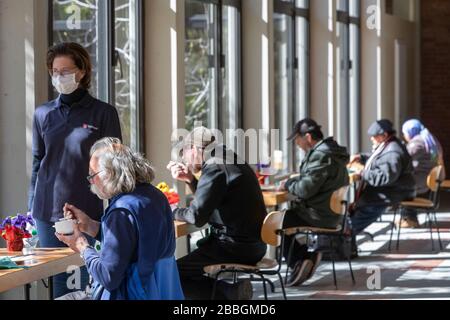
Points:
[(64, 226)]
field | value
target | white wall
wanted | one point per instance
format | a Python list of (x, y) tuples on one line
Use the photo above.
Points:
[(379, 101), (378, 80), (258, 66), (23, 85), (164, 85), (323, 67)]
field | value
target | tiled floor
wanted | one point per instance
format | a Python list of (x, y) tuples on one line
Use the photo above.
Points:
[(414, 272)]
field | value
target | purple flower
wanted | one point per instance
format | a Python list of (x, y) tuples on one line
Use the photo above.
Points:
[(30, 219), (20, 222), (5, 222)]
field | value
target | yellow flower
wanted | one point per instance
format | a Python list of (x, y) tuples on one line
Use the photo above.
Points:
[(163, 187)]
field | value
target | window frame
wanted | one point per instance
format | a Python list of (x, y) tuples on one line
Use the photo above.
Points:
[(217, 62), (292, 10), (352, 70)]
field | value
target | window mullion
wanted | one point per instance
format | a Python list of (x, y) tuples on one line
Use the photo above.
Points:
[(219, 65), (105, 50)]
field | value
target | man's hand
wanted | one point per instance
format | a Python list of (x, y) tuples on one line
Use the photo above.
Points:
[(282, 186), (77, 241), (85, 223), (356, 158), (180, 172)]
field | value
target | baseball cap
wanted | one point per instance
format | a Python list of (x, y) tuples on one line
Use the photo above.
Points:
[(200, 137), (381, 127), (303, 127)]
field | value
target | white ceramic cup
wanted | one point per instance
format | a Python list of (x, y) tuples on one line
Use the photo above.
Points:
[(65, 226)]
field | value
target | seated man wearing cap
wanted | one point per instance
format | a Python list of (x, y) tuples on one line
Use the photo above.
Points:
[(387, 178), (229, 198), (322, 172)]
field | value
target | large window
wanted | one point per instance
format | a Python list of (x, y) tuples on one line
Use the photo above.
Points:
[(291, 51), (111, 31), (348, 74), (212, 63)]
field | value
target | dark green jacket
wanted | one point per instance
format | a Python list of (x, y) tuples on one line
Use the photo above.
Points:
[(322, 172)]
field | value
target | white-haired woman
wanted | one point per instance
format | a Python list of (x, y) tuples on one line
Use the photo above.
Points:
[(137, 231)]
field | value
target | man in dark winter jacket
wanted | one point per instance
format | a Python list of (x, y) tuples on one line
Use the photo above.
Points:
[(322, 172), (387, 178), (229, 198)]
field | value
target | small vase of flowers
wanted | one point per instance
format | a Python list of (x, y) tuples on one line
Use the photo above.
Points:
[(14, 230)]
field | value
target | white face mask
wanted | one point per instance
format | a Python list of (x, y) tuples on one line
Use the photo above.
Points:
[(66, 84)]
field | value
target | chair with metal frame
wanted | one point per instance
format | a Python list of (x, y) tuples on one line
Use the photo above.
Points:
[(428, 206), (338, 205), (271, 234)]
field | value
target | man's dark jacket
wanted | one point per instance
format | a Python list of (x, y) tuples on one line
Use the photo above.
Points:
[(229, 198), (322, 172), (389, 180)]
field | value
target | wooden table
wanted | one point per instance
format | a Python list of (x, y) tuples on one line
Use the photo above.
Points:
[(272, 199), (45, 263), (42, 264), (275, 198), (183, 229), (445, 184)]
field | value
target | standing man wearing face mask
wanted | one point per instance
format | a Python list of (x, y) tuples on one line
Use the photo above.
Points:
[(387, 178), (64, 130)]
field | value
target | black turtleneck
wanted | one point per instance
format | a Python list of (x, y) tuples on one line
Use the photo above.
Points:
[(74, 97)]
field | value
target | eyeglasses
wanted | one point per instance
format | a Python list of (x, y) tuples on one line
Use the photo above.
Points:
[(92, 176)]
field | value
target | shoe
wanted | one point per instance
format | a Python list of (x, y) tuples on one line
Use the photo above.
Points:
[(301, 272), (241, 290), (316, 258), (409, 223)]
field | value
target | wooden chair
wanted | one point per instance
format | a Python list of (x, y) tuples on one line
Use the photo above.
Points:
[(271, 234), (445, 185), (428, 206), (338, 205)]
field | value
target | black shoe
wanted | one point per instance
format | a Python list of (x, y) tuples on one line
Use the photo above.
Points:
[(241, 290), (300, 273)]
